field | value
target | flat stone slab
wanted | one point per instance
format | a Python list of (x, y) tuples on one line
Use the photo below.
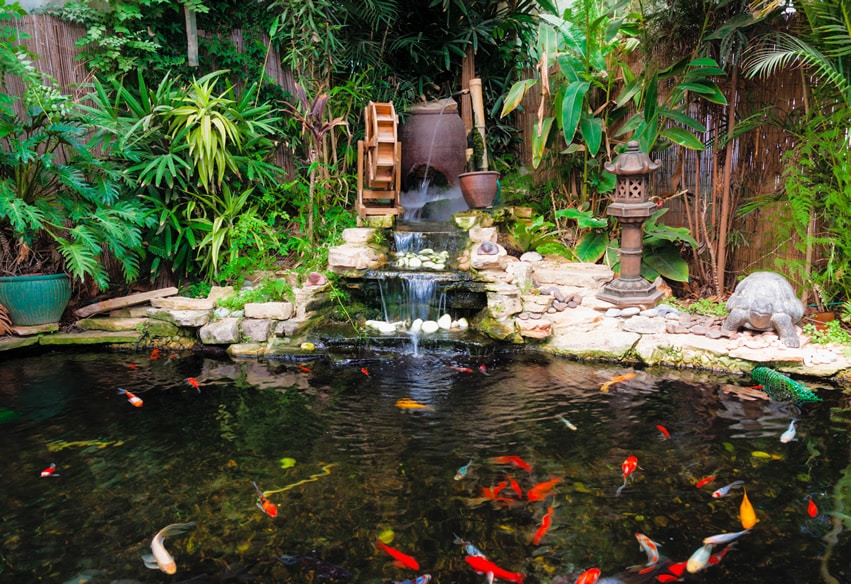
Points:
[(90, 338), (154, 327), (9, 343), (190, 318), (122, 302), (604, 340), (27, 331), (183, 303)]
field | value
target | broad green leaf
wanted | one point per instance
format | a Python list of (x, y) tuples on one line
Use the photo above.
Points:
[(571, 107), (683, 137), (592, 132), (515, 95), (607, 182), (628, 92), (539, 140), (584, 219), (708, 90), (684, 119), (592, 246), (668, 262), (631, 124)]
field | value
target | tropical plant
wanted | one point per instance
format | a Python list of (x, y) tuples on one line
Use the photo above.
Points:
[(61, 205), (197, 158), (311, 117), (817, 169)]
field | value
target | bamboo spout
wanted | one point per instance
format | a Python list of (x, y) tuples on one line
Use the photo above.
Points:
[(479, 115)]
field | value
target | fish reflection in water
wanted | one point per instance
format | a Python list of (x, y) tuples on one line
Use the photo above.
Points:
[(322, 570)]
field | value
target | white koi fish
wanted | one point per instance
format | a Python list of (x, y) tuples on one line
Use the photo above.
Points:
[(567, 423), (462, 472), (789, 434), (699, 559), (723, 538), (161, 559), (723, 491)]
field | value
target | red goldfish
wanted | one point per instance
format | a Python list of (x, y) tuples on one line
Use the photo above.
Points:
[(546, 522), (589, 576), (664, 431), (264, 504), (131, 366), (493, 492), (715, 559), (365, 371), (542, 490), (155, 354), (461, 369), (50, 471), (628, 466), (403, 559), (483, 370), (305, 369), (194, 383), (515, 486), (515, 460), (704, 481), (133, 399), (812, 510), (485, 566)]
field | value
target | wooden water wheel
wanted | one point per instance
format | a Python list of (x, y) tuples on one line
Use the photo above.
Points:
[(379, 161)]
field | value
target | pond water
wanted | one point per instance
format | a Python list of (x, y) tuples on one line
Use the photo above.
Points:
[(348, 465)]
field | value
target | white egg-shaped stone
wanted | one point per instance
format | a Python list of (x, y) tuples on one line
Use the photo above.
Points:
[(430, 326), (445, 322)]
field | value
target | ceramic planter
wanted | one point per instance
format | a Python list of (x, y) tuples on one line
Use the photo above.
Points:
[(34, 300), (479, 188)]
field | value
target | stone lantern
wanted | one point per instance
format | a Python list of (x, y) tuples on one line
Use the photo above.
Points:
[(630, 205)]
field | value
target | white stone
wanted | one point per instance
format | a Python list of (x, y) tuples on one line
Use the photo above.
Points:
[(445, 322), (354, 256), (463, 324), (256, 329), (416, 326), (630, 311), (385, 328), (430, 327), (189, 318), (561, 271), (358, 234), (270, 310), (644, 325), (221, 332), (531, 256), (480, 234), (182, 303), (613, 312)]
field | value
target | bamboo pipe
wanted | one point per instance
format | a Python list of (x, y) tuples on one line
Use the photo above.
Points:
[(479, 115)]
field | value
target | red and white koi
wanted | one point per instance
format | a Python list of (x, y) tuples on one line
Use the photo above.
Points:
[(650, 547), (589, 576), (132, 398), (50, 471), (724, 491), (264, 504)]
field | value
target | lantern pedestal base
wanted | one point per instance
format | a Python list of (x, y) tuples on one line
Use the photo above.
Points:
[(630, 292)]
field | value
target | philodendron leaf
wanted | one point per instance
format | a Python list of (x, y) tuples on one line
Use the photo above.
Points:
[(667, 262), (592, 246)]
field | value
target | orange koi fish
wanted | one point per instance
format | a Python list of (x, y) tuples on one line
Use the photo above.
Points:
[(403, 559), (665, 578), (365, 371), (704, 481), (407, 403), (461, 369), (628, 467), (485, 566), (542, 490), (264, 504), (133, 399), (483, 370), (616, 379), (515, 460), (155, 354), (132, 366), (50, 471), (746, 512), (589, 576), (305, 369), (664, 431), (194, 383), (546, 522), (812, 510)]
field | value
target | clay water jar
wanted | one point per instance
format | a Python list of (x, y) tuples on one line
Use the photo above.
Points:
[(434, 141)]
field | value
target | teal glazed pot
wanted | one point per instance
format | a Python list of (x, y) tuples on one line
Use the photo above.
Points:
[(34, 300)]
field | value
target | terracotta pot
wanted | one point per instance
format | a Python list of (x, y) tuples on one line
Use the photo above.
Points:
[(479, 188), (820, 319), (434, 142)]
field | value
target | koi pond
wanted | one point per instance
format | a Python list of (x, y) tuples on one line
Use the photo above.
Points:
[(520, 455)]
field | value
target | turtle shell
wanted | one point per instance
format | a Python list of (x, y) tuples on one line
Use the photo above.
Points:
[(766, 293)]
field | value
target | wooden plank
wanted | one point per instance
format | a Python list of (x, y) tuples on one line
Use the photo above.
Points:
[(123, 301)]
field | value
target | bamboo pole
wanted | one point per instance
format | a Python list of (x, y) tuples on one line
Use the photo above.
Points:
[(479, 116)]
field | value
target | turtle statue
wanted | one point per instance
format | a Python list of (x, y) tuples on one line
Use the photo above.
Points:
[(765, 301)]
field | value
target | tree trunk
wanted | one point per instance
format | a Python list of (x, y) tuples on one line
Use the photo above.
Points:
[(726, 195)]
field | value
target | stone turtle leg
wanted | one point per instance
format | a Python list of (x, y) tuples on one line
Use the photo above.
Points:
[(736, 319), (785, 330)]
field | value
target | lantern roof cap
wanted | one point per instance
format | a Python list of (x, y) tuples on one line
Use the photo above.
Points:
[(632, 161)]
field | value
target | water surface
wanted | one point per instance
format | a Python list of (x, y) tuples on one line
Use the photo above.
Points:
[(350, 465)]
